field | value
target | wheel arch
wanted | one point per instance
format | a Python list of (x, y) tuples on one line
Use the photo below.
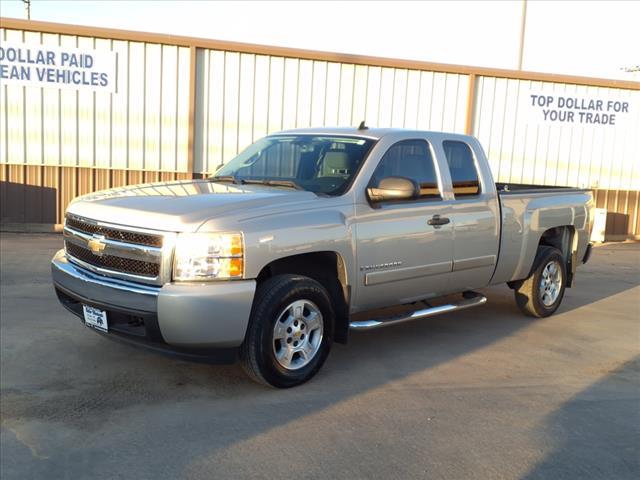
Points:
[(563, 238), (327, 268)]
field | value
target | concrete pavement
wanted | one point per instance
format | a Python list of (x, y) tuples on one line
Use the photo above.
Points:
[(482, 393)]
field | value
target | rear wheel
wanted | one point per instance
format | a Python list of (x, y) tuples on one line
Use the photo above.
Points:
[(540, 295), (290, 331)]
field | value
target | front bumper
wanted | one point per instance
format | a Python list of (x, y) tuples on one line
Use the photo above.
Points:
[(201, 321)]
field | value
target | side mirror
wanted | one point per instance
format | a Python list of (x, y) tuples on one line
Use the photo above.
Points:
[(394, 188)]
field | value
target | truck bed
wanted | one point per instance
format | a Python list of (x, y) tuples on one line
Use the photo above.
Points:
[(527, 211)]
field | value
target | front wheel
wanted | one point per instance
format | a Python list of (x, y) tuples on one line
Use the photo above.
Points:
[(540, 295), (290, 331)]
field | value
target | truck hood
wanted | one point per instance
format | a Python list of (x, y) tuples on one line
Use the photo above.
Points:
[(184, 205)]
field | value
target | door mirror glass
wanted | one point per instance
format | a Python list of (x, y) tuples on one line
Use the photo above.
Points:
[(394, 188)]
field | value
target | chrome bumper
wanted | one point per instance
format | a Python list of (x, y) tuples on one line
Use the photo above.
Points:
[(102, 289), (194, 315)]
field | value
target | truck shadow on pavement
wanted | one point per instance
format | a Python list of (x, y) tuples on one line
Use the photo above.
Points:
[(589, 430)]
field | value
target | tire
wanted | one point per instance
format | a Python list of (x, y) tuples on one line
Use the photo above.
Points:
[(541, 293), (292, 353)]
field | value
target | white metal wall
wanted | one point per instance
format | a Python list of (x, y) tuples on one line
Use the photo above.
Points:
[(521, 151), (242, 97), (144, 126)]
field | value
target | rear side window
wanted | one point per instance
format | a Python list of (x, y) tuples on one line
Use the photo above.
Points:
[(410, 159), (462, 167)]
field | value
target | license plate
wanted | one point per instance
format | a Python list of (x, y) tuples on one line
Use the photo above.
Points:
[(95, 318)]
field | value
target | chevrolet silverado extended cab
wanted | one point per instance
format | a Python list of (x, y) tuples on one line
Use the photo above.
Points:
[(303, 236)]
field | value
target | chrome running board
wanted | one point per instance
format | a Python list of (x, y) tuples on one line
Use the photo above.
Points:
[(474, 301)]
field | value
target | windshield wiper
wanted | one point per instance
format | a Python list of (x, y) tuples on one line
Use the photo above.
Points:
[(226, 179), (273, 183), (244, 181)]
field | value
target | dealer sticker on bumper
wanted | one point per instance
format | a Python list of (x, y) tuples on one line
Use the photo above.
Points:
[(96, 318)]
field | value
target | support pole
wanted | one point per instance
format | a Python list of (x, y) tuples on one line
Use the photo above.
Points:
[(523, 23)]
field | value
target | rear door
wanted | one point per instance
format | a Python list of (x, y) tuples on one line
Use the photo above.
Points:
[(474, 215), (400, 256)]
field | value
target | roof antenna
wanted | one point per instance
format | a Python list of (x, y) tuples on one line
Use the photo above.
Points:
[(362, 126)]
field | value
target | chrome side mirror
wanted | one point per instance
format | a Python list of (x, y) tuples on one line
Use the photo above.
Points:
[(394, 188)]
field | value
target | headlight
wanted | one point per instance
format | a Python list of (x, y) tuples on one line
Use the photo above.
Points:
[(208, 256)]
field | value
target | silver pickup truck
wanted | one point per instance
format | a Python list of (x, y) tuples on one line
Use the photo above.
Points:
[(304, 236)]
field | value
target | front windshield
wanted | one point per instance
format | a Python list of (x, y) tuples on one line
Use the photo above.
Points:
[(316, 163)]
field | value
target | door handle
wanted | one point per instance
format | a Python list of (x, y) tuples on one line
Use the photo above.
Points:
[(437, 221)]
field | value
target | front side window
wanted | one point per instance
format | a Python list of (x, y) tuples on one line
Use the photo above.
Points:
[(462, 167), (410, 159), (316, 163)]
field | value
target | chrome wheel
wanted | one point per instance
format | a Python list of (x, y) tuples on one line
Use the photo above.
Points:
[(297, 334), (550, 283)]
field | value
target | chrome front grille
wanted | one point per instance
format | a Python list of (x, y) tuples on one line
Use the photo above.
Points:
[(139, 238), (111, 262), (120, 252)]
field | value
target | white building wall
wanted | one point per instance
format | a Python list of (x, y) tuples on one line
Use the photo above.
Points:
[(76, 141), (143, 126), (242, 97), (523, 150)]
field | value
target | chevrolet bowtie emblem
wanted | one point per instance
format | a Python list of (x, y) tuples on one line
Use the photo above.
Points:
[(97, 245)]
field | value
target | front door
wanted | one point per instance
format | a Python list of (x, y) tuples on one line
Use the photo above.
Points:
[(402, 254)]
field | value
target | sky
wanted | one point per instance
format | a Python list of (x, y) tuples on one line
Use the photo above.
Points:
[(588, 38)]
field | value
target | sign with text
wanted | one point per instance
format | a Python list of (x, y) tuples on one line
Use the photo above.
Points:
[(57, 67), (574, 109)]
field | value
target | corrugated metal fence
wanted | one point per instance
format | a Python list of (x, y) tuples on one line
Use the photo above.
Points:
[(184, 106), (244, 96)]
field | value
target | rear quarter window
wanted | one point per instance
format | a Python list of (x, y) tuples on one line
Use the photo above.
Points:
[(462, 166)]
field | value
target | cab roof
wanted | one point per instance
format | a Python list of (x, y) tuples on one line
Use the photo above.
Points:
[(374, 133)]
